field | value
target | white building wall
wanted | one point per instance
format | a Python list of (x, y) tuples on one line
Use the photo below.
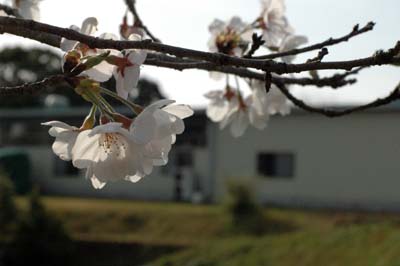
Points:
[(343, 162), (153, 187)]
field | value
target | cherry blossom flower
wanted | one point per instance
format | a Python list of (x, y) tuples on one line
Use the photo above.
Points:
[(28, 9), (157, 126), (237, 112), (274, 102), (127, 70), (243, 115), (219, 105), (101, 72), (124, 150), (108, 153), (230, 38), (273, 22)]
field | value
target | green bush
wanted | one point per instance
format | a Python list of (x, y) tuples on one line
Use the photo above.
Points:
[(40, 239), (8, 210), (245, 215)]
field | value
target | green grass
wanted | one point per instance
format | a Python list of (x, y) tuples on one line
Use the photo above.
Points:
[(293, 237)]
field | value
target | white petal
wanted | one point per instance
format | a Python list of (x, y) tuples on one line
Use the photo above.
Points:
[(108, 36), (135, 37), (217, 110), (239, 124), (167, 124), (180, 110), (137, 57), (89, 26), (131, 77), (143, 128), (120, 86), (159, 104), (215, 94), (134, 178), (64, 143), (85, 150), (97, 184), (58, 124), (236, 23), (216, 75), (29, 10), (101, 72), (257, 120), (293, 41), (216, 26), (111, 127)]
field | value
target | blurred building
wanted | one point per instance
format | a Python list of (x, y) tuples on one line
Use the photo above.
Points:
[(299, 160)]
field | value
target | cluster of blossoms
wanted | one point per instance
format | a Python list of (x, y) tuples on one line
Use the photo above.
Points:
[(118, 147), (111, 146), (124, 148), (229, 106)]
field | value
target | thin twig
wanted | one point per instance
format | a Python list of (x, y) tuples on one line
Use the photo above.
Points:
[(131, 4), (331, 41), (393, 96), (32, 88), (321, 54), (255, 45), (10, 11)]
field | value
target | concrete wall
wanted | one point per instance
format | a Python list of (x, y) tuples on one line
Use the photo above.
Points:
[(343, 162)]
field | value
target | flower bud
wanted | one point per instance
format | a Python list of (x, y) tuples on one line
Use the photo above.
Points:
[(90, 119), (71, 60)]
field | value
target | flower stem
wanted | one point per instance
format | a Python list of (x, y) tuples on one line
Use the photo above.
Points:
[(136, 109), (105, 103), (96, 101)]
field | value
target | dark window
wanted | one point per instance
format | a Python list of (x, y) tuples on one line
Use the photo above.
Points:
[(64, 168), (276, 164), (184, 158)]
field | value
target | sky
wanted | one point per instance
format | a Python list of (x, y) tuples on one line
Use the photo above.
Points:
[(185, 23)]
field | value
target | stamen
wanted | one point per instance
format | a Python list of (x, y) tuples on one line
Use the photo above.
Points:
[(112, 143)]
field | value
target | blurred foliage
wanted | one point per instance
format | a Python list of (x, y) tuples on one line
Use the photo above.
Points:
[(40, 239), (16, 165), (8, 210), (123, 232), (245, 215), (19, 65)]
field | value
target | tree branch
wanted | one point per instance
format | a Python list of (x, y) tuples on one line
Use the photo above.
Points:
[(331, 41), (387, 57), (393, 96), (131, 4), (10, 11), (32, 88), (335, 81)]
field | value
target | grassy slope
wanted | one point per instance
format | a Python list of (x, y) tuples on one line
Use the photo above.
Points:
[(295, 238)]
